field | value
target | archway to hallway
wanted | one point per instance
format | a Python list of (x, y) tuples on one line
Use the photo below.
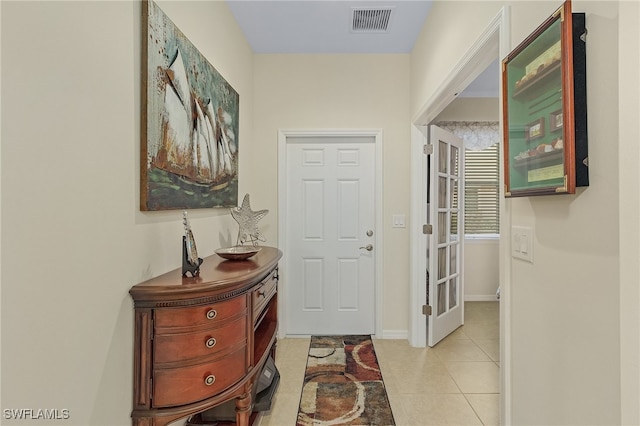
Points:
[(494, 42)]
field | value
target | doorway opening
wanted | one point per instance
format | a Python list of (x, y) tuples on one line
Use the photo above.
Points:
[(492, 44)]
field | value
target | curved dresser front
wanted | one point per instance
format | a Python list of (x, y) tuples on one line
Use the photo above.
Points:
[(202, 341)]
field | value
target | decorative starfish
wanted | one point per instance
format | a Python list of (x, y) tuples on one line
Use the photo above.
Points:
[(248, 222)]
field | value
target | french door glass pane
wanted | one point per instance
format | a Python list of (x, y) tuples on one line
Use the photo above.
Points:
[(442, 298), (442, 192), (454, 193), (453, 252), (454, 161), (442, 156), (453, 292), (442, 228), (454, 226), (442, 262)]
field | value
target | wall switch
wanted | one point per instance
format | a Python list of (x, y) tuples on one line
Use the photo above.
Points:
[(522, 243), (398, 221)]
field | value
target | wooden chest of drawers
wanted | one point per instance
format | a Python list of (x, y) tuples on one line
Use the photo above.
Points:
[(201, 341)]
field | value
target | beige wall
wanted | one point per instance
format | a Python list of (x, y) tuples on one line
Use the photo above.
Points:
[(471, 109), (629, 178), (481, 273), (442, 43), (73, 238), (565, 308), (342, 92)]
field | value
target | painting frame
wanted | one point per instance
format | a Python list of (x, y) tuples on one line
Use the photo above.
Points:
[(189, 123), (534, 130), (545, 75), (555, 120)]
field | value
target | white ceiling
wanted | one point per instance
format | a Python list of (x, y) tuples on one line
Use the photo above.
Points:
[(324, 26), (486, 84)]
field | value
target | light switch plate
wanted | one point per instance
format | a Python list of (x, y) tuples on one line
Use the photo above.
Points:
[(398, 221), (522, 243)]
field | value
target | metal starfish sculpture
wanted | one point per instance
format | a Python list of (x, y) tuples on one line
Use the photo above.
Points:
[(248, 222)]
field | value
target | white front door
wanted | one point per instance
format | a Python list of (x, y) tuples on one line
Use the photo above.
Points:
[(445, 242), (330, 235)]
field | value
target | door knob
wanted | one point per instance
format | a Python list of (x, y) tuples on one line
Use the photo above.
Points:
[(368, 247)]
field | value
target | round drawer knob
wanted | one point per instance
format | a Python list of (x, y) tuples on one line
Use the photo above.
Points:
[(209, 380), (211, 314), (211, 342)]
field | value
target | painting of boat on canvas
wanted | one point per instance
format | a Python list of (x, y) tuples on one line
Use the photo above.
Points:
[(190, 123)]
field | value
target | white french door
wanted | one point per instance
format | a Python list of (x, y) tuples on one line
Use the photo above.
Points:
[(445, 285), (330, 235)]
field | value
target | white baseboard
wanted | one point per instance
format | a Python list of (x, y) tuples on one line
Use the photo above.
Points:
[(480, 298)]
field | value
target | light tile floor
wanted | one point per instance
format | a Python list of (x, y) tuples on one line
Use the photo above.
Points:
[(454, 383)]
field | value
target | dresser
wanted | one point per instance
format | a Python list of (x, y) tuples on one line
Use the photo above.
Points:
[(203, 341)]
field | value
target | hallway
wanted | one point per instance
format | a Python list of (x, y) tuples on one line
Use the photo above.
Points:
[(454, 383)]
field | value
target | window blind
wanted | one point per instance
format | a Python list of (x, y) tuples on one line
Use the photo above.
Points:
[(482, 191)]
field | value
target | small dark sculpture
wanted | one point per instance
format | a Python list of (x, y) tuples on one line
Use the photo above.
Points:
[(187, 266), (190, 260)]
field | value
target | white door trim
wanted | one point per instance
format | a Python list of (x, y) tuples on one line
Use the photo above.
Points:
[(283, 134), (494, 41)]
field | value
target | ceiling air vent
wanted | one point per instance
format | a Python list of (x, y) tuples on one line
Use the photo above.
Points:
[(370, 20)]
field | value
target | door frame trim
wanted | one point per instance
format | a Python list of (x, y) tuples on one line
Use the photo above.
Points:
[(378, 240), (494, 41)]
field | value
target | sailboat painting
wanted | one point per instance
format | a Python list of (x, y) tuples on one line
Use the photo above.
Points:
[(189, 155)]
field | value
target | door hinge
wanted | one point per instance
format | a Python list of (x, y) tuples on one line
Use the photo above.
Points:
[(426, 310), (427, 229), (427, 149)]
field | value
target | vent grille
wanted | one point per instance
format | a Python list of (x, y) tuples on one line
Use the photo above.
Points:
[(371, 20)]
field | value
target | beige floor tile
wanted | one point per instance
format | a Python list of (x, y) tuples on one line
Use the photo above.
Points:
[(405, 357), (427, 410), (291, 376), (486, 406), (454, 383), (284, 410), (399, 415), (418, 367), (486, 308), (475, 377), (429, 380), (292, 348), (458, 333), (460, 350), (482, 330), (491, 347)]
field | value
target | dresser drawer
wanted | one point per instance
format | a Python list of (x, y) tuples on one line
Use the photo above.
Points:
[(187, 346), (263, 292), (172, 320), (177, 386)]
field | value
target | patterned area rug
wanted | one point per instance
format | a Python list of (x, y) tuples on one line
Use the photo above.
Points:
[(343, 384)]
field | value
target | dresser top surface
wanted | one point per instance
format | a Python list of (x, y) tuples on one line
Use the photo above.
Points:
[(216, 273)]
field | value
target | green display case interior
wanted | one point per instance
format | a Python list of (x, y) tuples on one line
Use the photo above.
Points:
[(544, 100)]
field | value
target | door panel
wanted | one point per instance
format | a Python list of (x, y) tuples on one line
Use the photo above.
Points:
[(330, 208), (444, 247), (311, 284)]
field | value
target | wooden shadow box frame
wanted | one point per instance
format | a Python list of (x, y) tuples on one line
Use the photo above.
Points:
[(544, 80)]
